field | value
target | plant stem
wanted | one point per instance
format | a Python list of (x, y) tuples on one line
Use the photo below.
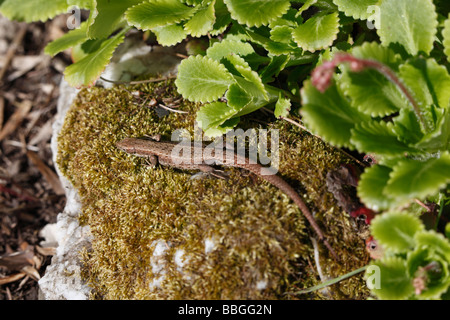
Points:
[(331, 281), (391, 76), (322, 77)]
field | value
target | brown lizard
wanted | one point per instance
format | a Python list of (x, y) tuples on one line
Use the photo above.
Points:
[(162, 153)]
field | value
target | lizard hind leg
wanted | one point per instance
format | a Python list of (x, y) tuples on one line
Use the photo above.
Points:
[(220, 174)]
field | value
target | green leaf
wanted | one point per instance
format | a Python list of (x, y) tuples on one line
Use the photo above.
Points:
[(223, 128), (434, 240), (257, 12), (202, 22), (88, 69), (428, 82), (281, 34), (319, 32), (223, 18), (306, 5), (371, 186), (192, 2), (412, 179), (356, 9), (438, 279), (67, 41), (253, 84), (82, 4), (237, 97), (282, 107), (407, 127), (158, 13), (110, 13), (212, 115), (411, 23), (33, 10), (330, 115), (220, 50), (83, 49), (394, 281), (370, 91), (275, 66), (395, 230), (170, 35), (378, 138), (438, 139), (446, 35), (202, 79)]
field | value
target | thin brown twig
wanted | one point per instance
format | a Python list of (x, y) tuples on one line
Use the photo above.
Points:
[(13, 48), (170, 109), (141, 81)]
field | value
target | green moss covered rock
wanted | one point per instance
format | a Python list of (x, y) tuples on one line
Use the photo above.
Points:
[(160, 234)]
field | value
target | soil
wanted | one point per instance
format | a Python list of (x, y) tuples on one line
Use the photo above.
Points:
[(30, 192)]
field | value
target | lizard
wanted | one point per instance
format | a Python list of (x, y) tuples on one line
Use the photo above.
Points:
[(162, 152)]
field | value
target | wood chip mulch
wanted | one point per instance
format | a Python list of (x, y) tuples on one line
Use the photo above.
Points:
[(31, 195)]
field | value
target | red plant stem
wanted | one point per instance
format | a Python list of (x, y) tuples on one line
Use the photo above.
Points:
[(322, 76), (360, 64)]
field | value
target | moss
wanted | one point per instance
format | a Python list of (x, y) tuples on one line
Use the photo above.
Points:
[(260, 235)]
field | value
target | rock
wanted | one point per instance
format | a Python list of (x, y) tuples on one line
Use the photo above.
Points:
[(62, 279)]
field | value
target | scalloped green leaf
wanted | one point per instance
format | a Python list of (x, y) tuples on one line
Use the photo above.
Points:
[(253, 84), (212, 115), (371, 186), (395, 230), (281, 34), (67, 41), (438, 139), (378, 138), (237, 97), (170, 35), (357, 9), (220, 50), (282, 107), (330, 115), (33, 10), (395, 283), (257, 12), (82, 4), (202, 79), (318, 32), (202, 21), (275, 66), (434, 240), (158, 13), (89, 68), (370, 91), (438, 280), (223, 18), (446, 35), (192, 2), (411, 23), (428, 82), (411, 179), (306, 5), (222, 128), (110, 14), (407, 127)]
